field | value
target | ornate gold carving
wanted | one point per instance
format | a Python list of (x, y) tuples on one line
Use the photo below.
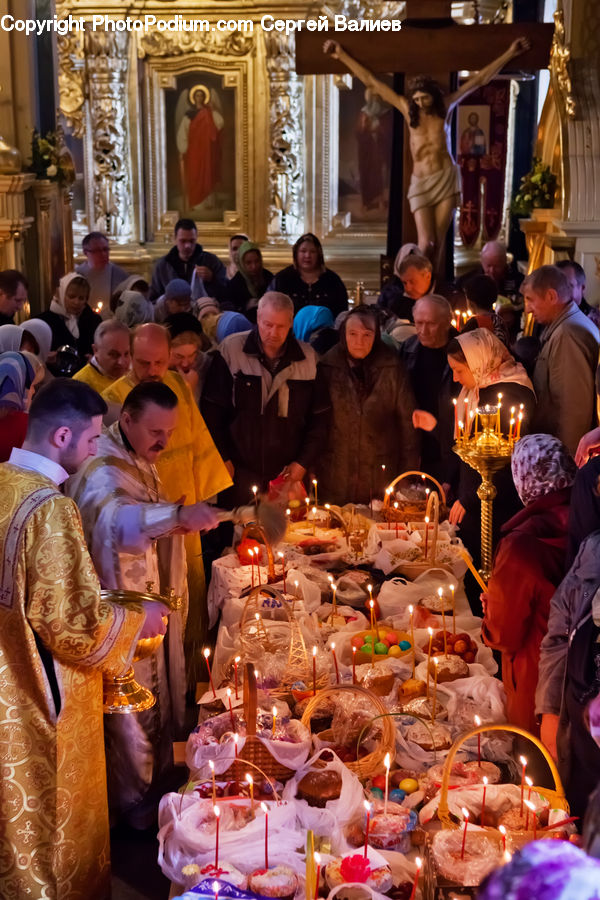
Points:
[(560, 55), (285, 211), (71, 77), (178, 43)]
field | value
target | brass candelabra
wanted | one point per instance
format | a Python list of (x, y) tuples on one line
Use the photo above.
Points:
[(487, 451)]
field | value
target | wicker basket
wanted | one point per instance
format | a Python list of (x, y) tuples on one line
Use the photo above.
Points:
[(254, 752), (556, 797), (410, 510), (414, 568), (372, 763)]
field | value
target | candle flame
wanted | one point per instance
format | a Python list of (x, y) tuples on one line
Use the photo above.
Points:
[(507, 856), (216, 811), (254, 489), (465, 813), (367, 806), (264, 808), (451, 586), (206, 652), (274, 710), (435, 660), (314, 651), (288, 512), (387, 761), (353, 650), (411, 609), (332, 645), (477, 721), (485, 780), (427, 520), (530, 804), (502, 829), (249, 778), (440, 591), (211, 765), (430, 632), (418, 863), (529, 781), (314, 480), (522, 760), (280, 554), (215, 887), (238, 659), (236, 738), (228, 692), (369, 587), (396, 504), (257, 616), (317, 858), (372, 604), (330, 579)]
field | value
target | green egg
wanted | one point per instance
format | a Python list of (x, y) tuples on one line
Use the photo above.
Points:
[(368, 638), (381, 648), (366, 648)]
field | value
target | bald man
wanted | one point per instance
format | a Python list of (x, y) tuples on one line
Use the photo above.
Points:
[(494, 262), (190, 469)]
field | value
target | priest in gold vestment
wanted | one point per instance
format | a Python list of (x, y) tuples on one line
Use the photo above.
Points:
[(57, 637), (191, 469)]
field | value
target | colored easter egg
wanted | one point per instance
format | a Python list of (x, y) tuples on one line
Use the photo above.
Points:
[(395, 652), (381, 648), (404, 645), (409, 785)]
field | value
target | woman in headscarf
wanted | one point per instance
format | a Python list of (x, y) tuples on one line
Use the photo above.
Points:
[(10, 338), (544, 870), (134, 309), (16, 379), (308, 281), (37, 338), (528, 567), (249, 283), (310, 319), (231, 323), (132, 283), (484, 368), (372, 406), (72, 320)]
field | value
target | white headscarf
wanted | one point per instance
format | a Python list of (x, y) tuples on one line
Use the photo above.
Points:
[(490, 363), (58, 303), (42, 334), (10, 338)]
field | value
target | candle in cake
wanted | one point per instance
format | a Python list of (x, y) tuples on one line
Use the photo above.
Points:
[(211, 766), (453, 610), (251, 555), (250, 781), (314, 655), (418, 864), (318, 862), (387, 763), (477, 721), (465, 813), (372, 614), (274, 711), (282, 558), (411, 611), (257, 555), (485, 784), (215, 887), (440, 592), (396, 508), (236, 740), (529, 783), (368, 809), (206, 652), (426, 535), (230, 709), (354, 665), (217, 813), (523, 762), (435, 679), (502, 831), (265, 809), (430, 632), (335, 662), (307, 501), (531, 809), (334, 602), (235, 675), (314, 512), (314, 481)]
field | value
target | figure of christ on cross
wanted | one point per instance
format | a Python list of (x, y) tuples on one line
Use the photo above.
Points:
[(434, 190)]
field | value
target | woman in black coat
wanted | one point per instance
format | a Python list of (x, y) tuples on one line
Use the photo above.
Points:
[(308, 282), (71, 319)]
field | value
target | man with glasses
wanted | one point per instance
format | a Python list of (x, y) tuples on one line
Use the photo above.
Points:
[(102, 275)]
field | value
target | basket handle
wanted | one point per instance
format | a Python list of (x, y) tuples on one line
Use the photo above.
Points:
[(250, 699), (443, 811), (389, 489), (433, 505)]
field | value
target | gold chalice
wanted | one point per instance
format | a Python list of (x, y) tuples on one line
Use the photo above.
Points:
[(122, 693)]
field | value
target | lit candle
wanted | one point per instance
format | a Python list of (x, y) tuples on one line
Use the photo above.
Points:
[(411, 610), (217, 813), (274, 711), (296, 587), (511, 423), (477, 721), (206, 652), (418, 864), (465, 813), (307, 501), (456, 431), (368, 809), (354, 665), (426, 535), (370, 590), (485, 784), (453, 610), (334, 602), (214, 786), (531, 809), (288, 513), (282, 558), (498, 426), (235, 675), (335, 662), (315, 487), (314, 512), (314, 654), (265, 809), (257, 555), (476, 423), (236, 739), (250, 781), (457, 318), (255, 492), (318, 862), (435, 678), (519, 420), (251, 555), (215, 887), (529, 786), (465, 408), (396, 508), (387, 763), (230, 709), (502, 831), (430, 632), (523, 762), (372, 608), (440, 592)]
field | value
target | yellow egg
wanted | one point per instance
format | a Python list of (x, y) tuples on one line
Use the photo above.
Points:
[(410, 785), (394, 651)]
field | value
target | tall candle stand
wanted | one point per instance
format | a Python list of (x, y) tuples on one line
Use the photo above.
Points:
[(487, 451)]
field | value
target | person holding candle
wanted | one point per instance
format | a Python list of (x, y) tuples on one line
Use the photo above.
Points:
[(528, 567), (484, 368), (372, 406)]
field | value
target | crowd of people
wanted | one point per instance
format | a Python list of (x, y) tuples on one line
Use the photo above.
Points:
[(129, 405)]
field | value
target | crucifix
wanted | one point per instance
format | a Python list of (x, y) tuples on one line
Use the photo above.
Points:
[(428, 40)]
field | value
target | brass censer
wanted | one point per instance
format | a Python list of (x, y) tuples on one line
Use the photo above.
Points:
[(122, 694)]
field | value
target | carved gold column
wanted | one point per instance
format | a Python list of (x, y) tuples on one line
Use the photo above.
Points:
[(286, 190), (49, 233), (13, 221), (106, 60)]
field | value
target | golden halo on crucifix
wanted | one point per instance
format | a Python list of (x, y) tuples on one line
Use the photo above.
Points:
[(194, 90)]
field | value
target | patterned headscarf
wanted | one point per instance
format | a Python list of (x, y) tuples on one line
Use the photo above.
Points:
[(540, 465), (134, 309), (490, 363), (16, 375), (545, 870)]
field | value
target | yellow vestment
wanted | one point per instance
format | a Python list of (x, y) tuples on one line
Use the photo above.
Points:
[(54, 837), (92, 376), (192, 468)]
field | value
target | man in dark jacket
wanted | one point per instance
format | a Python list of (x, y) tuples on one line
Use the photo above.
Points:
[(203, 270), (425, 359), (13, 295), (265, 409)]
